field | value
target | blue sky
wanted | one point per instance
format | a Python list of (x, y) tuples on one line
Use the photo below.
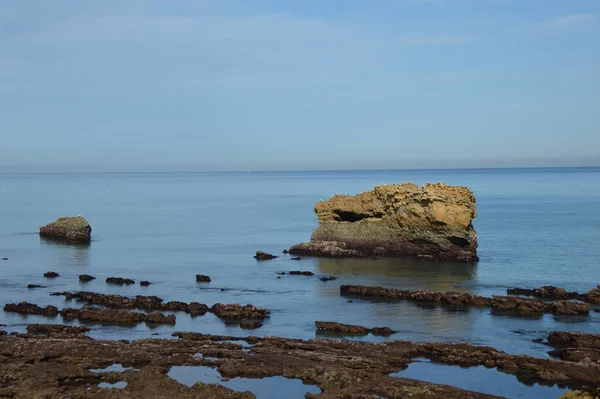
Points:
[(303, 84)]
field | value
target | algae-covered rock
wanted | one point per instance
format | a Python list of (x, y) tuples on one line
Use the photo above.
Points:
[(72, 229), (430, 222)]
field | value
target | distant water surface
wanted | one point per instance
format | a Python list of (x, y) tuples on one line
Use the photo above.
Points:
[(535, 226)]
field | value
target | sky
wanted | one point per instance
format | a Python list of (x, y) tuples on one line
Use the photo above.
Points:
[(143, 85)]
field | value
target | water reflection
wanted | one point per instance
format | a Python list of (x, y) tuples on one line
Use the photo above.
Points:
[(70, 254), (440, 276)]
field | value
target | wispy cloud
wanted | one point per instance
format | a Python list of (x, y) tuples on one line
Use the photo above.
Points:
[(420, 39), (569, 22)]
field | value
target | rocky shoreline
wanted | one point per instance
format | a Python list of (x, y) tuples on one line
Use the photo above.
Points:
[(58, 361)]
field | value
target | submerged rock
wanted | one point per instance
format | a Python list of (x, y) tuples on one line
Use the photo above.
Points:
[(236, 311), (51, 275), (73, 229), (301, 273), (250, 324), (145, 283), (84, 278), (430, 222), (119, 281), (30, 308), (201, 278), (351, 329), (32, 286), (548, 292), (55, 329), (328, 278), (108, 315), (260, 255)]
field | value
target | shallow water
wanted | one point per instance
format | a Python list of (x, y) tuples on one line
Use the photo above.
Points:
[(535, 226), (478, 379), (262, 388)]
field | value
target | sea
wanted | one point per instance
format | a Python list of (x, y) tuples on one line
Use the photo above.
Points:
[(536, 226)]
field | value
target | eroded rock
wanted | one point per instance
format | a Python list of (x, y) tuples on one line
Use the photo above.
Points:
[(108, 315), (30, 308), (84, 278), (119, 281), (570, 307), (72, 229), (260, 255), (236, 311), (547, 292), (430, 222)]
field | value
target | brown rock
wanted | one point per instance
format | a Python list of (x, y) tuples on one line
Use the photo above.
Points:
[(84, 278), (71, 229), (119, 281), (107, 315), (145, 283), (431, 222), (250, 324), (571, 307), (594, 295), (260, 255), (341, 328), (201, 278), (30, 308), (51, 275), (565, 339), (521, 305), (301, 273), (55, 329), (235, 311), (382, 331)]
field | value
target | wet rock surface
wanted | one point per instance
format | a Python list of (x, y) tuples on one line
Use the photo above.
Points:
[(120, 281), (260, 255), (236, 311), (115, 316), (84, 278), (431, 222), (30, 308), (497, 303), (350, 329), (56, 329), (593, 295), (51, 275), (72, 229), (201, 278), (57, 367), (147, 303), (575, 347), (300, 273), (547, 292)]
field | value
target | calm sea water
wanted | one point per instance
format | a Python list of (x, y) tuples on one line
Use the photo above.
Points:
[(535, 226)]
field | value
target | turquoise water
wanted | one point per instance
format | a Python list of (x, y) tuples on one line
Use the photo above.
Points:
[(535, 226)]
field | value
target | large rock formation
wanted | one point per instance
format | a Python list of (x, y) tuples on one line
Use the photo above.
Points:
[(429, 222), (72, 229)]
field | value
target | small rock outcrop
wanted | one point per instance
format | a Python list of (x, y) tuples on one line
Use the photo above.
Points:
[(30, 308), (119, 281), (201, 278), (351, 329), (72, 229), (236, 311), (51, 275), (84, 278), (431, 222), (260, 255), (594, 295), (145, 283)]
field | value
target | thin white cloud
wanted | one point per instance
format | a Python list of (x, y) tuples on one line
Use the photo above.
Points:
[(419, 39), (569, 22)]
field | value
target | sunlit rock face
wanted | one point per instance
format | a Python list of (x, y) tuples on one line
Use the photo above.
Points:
[(430, 222)]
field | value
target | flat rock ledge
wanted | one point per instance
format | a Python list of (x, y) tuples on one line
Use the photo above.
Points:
[(71, 229), (350, 329), (432, 222), (497, 303), (59, 367)]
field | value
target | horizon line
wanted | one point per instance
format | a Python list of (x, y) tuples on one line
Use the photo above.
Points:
[(309, 170)]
